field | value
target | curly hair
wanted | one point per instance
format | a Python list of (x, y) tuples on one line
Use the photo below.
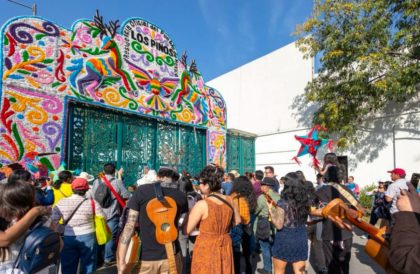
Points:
[(213, 176), (295, 194), (243, 187), (16, 198)]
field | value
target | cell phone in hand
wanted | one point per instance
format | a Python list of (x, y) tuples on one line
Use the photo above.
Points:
[(415, 178)]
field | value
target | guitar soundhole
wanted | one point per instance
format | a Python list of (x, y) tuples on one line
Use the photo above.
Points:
[(165, 227)]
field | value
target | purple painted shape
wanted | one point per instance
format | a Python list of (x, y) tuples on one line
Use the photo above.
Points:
[(51, 104), (53, 132), (8, 63), (25, 37)]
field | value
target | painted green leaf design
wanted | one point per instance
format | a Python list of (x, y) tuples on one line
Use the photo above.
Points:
[(48, 61), (23, 71), (95, 32), (39, 36), (25, 56)]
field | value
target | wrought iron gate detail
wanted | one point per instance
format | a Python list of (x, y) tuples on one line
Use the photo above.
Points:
[(97, 136), (240, 153)]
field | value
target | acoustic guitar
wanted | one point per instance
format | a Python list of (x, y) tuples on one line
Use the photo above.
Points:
[(376, 247), (133, 253), (162, 212)]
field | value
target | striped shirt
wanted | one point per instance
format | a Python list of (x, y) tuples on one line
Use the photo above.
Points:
[(82, 221)]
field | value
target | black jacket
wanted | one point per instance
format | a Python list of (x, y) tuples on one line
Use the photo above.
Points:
[(404, 254)]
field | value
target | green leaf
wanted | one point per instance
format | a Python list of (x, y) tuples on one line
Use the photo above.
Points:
[(23, 71), (365, 62), (110, 81), (25, 56), (6, 40), (39, 36), (95, 32), (55, 84), (48, 61)]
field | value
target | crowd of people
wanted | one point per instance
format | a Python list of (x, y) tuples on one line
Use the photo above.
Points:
[(223, 222)]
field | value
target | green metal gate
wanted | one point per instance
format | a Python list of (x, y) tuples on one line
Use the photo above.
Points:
[(240, 153), (96, 136)]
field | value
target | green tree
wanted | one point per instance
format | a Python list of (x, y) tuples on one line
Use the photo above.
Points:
[(364, 199), (370, 54)]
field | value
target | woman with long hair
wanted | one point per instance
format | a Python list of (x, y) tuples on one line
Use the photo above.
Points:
[(215, 216), (17, 214), (62, 186), (242, 235), (289, 217)]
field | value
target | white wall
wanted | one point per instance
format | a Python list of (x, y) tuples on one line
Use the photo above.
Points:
[(262, 97), (259, 94)]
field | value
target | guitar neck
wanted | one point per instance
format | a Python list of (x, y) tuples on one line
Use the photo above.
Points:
[(171, 258), (373, 231), (269, 200)]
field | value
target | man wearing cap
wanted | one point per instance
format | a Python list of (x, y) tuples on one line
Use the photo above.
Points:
[(394, 190), (261, 211)]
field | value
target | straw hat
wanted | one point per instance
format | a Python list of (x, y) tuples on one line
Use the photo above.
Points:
[(86, 176)]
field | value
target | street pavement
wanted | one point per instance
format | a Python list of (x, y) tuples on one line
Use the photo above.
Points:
[(360, 262)]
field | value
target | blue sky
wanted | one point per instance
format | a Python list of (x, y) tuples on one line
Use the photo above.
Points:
[(220, 34)]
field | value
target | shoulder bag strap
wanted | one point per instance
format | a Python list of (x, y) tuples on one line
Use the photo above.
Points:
[(116, 195), (158, 191), (222, 200), (92, 202), (232, 221), (73, 212), (349, 197)]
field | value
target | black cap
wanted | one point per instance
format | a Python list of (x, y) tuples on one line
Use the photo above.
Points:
[(268, 181)]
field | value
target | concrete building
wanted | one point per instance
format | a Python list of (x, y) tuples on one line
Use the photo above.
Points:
[(264, 97)]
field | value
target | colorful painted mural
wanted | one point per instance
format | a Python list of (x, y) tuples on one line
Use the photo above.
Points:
[(134, 68), (217, 148)]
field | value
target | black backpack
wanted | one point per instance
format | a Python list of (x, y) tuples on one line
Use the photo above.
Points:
[(263, 230), (40, 249), (103, 194)]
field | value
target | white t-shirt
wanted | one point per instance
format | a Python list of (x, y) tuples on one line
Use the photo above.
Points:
[(394, 191)]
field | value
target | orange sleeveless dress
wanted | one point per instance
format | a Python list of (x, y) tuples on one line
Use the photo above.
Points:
[(212, 252)]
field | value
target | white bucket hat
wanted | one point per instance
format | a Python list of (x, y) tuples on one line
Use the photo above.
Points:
[(86, 176)]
